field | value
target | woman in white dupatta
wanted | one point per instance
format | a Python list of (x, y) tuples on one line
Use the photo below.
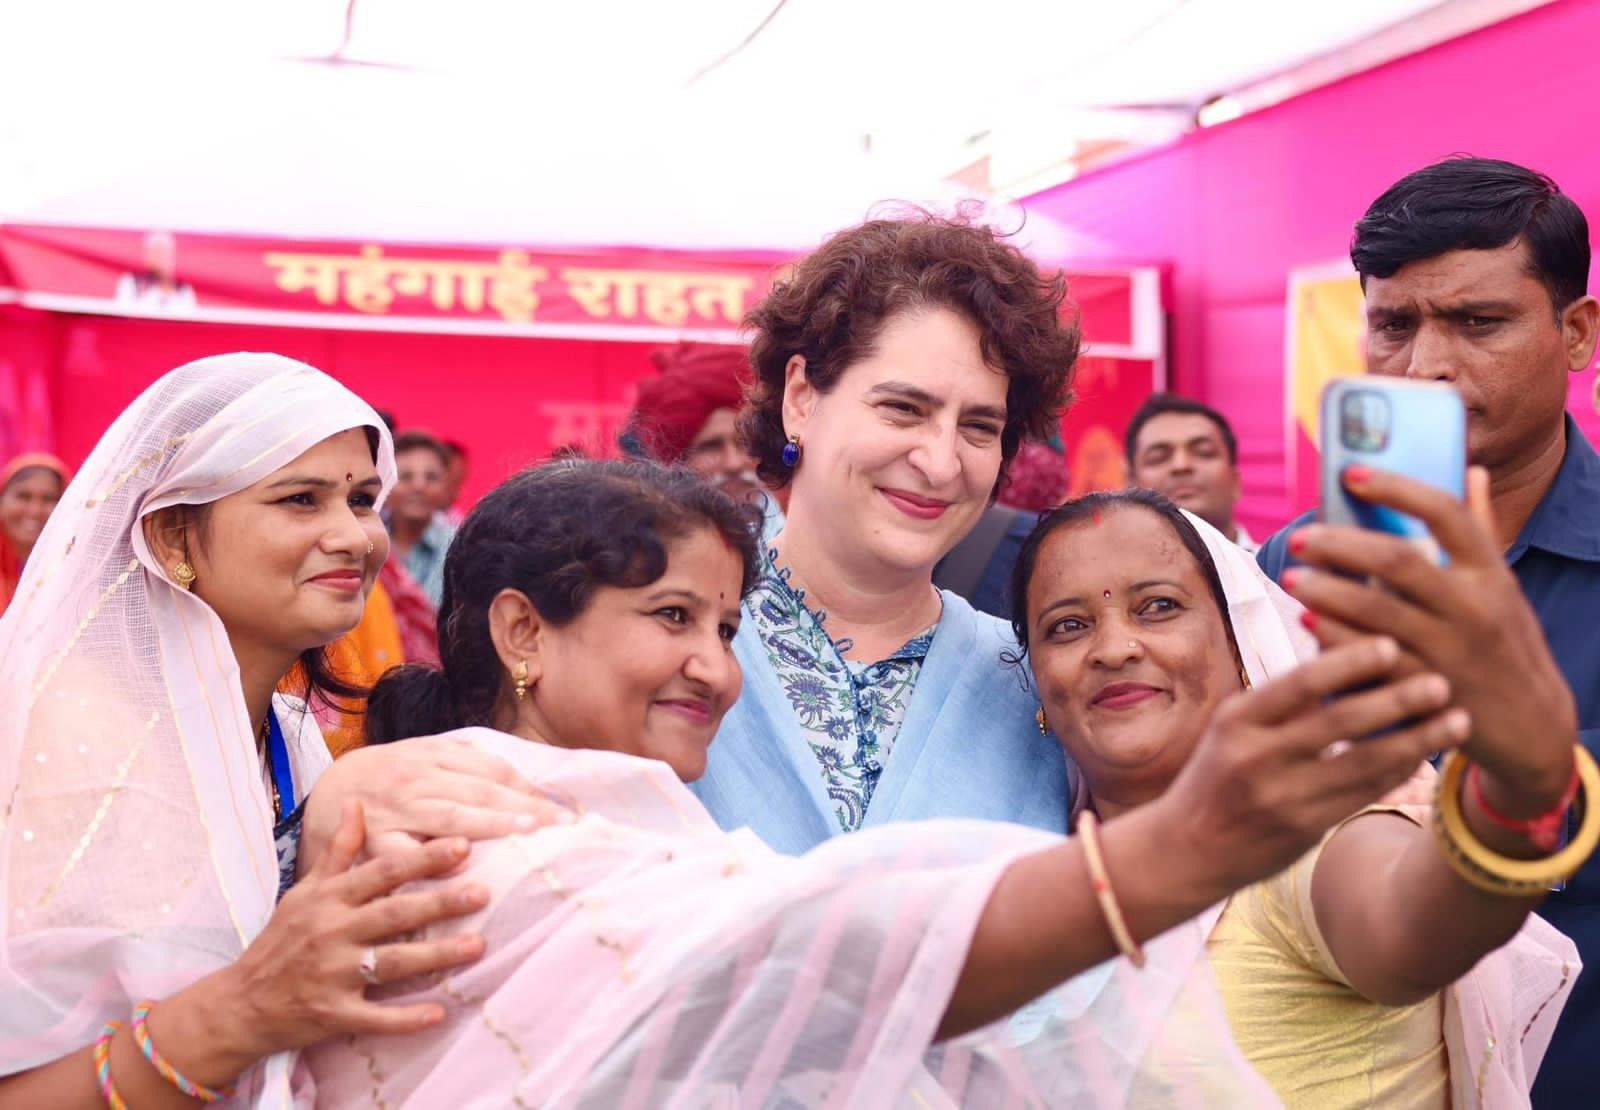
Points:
[(224, 527), (1353, 978), (642, 957)]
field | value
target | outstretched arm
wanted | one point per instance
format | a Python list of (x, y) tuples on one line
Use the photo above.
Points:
[(1258, 792)]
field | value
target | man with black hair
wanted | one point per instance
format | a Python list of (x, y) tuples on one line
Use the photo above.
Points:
[(1475, 272), (1186, 451), (418, 535)]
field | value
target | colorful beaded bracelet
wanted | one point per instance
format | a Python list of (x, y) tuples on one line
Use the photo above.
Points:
[(141, 1037), (102, 1066)]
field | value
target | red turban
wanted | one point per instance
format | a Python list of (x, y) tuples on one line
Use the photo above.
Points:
[(1036, 480), (696, 380)]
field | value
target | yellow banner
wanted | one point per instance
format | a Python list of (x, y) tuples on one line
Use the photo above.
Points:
[(1327, 341)]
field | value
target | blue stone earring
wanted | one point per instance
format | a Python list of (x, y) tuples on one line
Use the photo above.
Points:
[(791, 452)]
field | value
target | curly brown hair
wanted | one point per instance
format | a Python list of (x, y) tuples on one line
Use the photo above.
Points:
[(832, 307)]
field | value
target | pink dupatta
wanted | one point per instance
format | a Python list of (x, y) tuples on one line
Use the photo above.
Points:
[(136, 848), (642, 957)]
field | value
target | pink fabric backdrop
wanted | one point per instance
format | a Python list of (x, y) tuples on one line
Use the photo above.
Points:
[(64, 378), (1233, 208)]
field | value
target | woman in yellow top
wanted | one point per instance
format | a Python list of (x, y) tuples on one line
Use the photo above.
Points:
[(1140, 622)]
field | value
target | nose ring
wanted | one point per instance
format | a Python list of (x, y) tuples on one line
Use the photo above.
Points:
[(371, 547), (1133, 644)]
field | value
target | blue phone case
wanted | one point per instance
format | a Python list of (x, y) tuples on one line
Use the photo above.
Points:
[(1418, 429)]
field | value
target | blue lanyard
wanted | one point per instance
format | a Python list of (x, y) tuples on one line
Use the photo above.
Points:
[(278, 752)]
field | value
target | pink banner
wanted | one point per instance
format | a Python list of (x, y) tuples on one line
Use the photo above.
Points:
[(547, 359), (379, 286), (570, 292)]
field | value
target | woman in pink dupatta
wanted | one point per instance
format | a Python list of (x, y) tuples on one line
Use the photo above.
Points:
[(641, 957), (224, 527), (1366, 974)]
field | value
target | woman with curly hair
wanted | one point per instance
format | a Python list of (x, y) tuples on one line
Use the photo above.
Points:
[(898, 370)]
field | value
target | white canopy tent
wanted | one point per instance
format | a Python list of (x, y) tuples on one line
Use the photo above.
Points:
[(320, 130), (713, 123)]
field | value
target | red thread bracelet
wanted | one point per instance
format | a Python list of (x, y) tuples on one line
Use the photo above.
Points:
[(1544, 831)]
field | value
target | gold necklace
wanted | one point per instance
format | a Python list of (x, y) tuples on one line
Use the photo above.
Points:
[(264, 738)]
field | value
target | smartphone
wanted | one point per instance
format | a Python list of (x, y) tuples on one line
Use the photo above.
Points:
[(1418, 429)]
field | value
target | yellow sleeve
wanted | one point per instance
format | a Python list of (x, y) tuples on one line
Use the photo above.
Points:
[(1280, 911)]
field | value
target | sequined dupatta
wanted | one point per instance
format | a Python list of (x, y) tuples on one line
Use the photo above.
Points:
[(644, 958), (136, 850)]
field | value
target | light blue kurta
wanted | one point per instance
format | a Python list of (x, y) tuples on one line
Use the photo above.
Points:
[(969, 746)]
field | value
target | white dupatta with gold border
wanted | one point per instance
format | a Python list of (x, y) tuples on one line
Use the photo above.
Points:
[(136, 848)]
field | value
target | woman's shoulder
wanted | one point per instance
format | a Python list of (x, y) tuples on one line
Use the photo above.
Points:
[(960, 613), (1281, 911), (983, 637)]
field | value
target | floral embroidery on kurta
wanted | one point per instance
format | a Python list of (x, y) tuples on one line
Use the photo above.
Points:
[(851, 712)]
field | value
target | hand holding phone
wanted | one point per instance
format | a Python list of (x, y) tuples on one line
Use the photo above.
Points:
[(1458, 613)]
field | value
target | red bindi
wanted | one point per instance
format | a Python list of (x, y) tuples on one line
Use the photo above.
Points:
[(1106, 595), (1097, 518)]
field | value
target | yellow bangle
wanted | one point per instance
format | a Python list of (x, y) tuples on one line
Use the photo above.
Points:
[(1506, 875), (1089, 834)]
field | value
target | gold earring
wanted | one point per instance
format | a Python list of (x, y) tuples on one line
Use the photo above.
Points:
[(183, 574), (519, 675), (1044, 722), (1244, 677)]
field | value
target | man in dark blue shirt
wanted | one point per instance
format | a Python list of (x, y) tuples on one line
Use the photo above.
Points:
[(1475, 272)]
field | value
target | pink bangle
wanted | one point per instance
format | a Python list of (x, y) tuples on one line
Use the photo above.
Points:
[(1543, 831), (102, 1066), (141, 1037)]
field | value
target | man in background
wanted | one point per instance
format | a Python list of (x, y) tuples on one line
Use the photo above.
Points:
[(418, 535), (687, 416), (1186, 452)]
